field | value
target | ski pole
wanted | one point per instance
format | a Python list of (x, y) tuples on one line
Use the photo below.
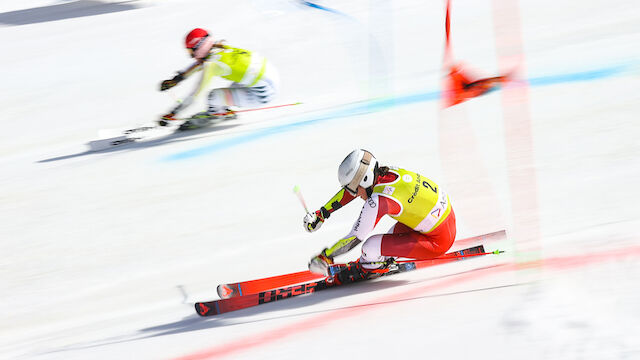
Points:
[(445, 257), (174, 96), (178, 100), (270, 107), (262, 108), (296, 190)]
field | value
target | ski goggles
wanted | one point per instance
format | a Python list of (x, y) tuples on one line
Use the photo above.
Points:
[(352, 186)]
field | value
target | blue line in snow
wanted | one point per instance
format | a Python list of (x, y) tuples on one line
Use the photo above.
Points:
[(575, 77), (370, 106), (320, 7)]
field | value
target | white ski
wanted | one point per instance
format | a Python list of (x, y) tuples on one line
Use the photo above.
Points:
[(128, 136)]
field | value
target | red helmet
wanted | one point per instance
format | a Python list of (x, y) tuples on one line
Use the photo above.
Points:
[(195, 38)]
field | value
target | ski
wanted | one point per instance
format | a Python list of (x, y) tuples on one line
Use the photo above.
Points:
[(118, 138), (241, 288), (226, 291), (217, 307), (127, 136)]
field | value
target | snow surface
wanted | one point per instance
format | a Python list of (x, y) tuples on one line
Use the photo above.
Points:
[(103, 254)]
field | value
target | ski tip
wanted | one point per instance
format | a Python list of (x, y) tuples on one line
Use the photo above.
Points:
[(201, 309), (226, 291), (296, 189), (497, 252)]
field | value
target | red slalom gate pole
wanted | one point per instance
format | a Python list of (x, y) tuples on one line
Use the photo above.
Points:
[(447, 41)]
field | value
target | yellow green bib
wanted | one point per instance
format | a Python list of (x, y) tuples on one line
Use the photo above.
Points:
[(423, 204), (245, 67)]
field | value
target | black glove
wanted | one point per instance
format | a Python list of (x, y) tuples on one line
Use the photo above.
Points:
[(168, 84)]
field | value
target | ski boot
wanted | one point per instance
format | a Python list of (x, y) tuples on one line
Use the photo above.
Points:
[(205, 118), (196, 121), (354, 271)]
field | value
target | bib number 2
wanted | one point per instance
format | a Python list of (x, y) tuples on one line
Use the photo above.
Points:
[(428, 186)]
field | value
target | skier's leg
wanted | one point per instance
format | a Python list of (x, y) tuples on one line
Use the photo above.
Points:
[(405, 242), (221, 100), (218, 109), (371, 252), (372, 248), (262, 92)]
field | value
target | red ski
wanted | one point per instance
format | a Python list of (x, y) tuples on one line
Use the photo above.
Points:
[(216, 307), (226, 291)]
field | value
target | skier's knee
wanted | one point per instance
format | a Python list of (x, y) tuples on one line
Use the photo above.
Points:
[(372, 251)]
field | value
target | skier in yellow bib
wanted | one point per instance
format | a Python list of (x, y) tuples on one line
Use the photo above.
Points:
[(254, 81), (426, 223)]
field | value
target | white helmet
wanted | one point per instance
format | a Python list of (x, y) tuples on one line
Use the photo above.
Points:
[(357, 169)]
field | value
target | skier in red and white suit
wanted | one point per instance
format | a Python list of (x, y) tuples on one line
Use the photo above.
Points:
[(426, 224)]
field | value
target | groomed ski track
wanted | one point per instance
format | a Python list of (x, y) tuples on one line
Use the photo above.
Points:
[(104, 254)]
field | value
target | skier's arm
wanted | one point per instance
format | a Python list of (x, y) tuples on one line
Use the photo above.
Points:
[(168, 84), (209, 71), (367, 220), (372, 211), (369, 216), (313, 221), (339, 200)]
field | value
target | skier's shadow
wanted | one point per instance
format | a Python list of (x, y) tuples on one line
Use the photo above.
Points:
[(65, 10), (247, 316), (252, 315), (176, 136)]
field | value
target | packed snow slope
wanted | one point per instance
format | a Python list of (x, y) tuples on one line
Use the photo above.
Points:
[(103, 254)]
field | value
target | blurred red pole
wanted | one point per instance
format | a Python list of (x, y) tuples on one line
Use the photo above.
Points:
[(459, 85)]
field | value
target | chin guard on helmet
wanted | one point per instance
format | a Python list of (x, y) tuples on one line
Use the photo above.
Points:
[(357, 169), (352, 186)]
